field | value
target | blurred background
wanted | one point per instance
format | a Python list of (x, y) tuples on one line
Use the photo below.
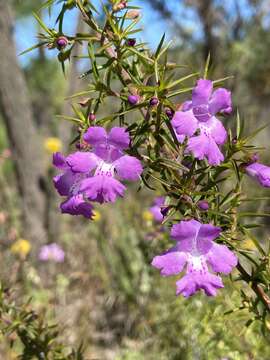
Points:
[(101, 288)]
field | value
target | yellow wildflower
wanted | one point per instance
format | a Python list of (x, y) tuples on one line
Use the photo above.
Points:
[(52, 144), (96, 215), (147, 215), (21, 247)]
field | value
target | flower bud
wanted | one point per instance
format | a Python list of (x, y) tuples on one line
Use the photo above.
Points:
[(203, 205), (120, 6), (133, 99), (254, 157), (169, 112), (131, 42), (164, 210), (61, 42), (154, 101), (92, 117), (133, 14)]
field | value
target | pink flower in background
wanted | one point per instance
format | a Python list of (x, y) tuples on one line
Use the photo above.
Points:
[(199, 114), (52, 252), (196, 250), (155, 210)]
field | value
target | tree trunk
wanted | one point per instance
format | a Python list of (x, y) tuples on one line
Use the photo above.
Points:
[(206, 14), (26, 147)]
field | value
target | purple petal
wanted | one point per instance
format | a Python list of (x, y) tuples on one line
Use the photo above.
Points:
[(191, 283), (260, 172), (185, 232), (57, 253), (119, 137), (102, 188), (220, 101), (63, 183), (203, 146), (205, 236), (128, 168), (202, 92), (76, 205), (180, 138), (159, 200), (82, 162), (156, 212), (217, 130), (187, 105), (95, 135), (59, 161), (209, 232), (170, 263), (184, 123), (202, 113), (221, 259), (186, 286)]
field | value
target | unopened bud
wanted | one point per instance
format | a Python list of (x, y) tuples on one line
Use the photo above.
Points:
[(131, 42), (133, 99), (203, 205), (61, 42), (169, 112), (164, 210), (154, 101), (255, 157), (85, 102), (133, 14), (92, 117), (120, 6)]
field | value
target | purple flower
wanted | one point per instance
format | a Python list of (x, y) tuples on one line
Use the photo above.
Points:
[(90, 176), (260, 172), (199, 114), (51, 252), (156, 209), (196, 249)]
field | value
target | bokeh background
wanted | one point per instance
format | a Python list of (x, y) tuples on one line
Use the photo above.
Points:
[(105, 293)]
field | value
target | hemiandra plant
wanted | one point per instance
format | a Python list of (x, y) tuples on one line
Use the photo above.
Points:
[(186, 150)]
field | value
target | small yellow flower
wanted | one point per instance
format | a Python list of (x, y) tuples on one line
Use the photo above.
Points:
[(21, 247), (96, 215), (147, 215), (248, 244), (52, 144)]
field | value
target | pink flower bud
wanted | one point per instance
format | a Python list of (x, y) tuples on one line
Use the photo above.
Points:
[(133, 14), (61, 42), (122, 5), (92, 117)]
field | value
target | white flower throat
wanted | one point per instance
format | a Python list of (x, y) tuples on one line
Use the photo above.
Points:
[(105, 169)]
